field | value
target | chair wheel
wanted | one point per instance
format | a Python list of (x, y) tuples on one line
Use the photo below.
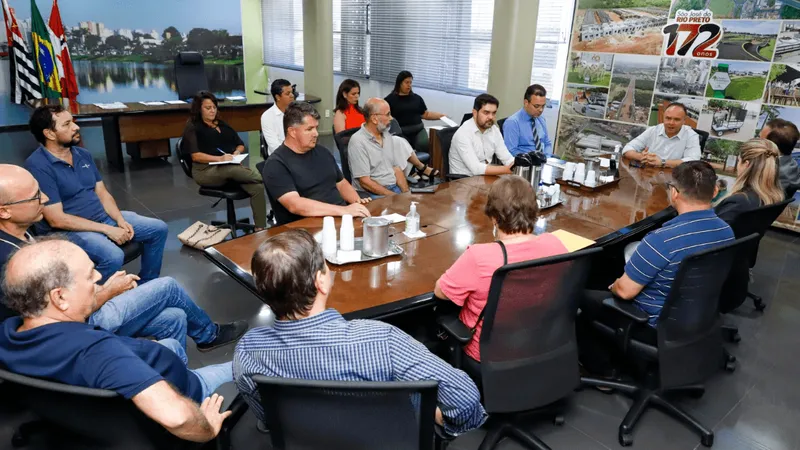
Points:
[(730, 366), (707, 441), (558, 420), (730, 359), (736, 337), (760, 306), (625, 440)]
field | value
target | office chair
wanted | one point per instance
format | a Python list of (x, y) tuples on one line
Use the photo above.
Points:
[(500, 125), (348, 415), (79, 417), (190, 74), (445, 139), (262, 145), (342, 139), (687, 346), (529, 351), (465, 118), (703, 135), (228, 192), (757, 221)]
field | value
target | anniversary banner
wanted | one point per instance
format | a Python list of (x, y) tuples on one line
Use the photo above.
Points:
[(735, 64)]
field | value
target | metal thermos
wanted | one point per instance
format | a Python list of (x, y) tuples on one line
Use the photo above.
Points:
[(376, 237), (536, 176), (524, 172)]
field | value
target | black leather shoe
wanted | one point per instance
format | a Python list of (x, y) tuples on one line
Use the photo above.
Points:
[(226, 334)]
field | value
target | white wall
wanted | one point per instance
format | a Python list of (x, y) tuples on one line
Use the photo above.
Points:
[(453, 105)]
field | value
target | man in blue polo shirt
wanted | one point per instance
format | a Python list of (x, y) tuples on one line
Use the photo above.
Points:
[(79, 202), (52, 285), (526, 130), (651, 269)]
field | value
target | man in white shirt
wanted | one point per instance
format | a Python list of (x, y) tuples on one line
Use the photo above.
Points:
[(668, 144), (272, 119), (478, 140)]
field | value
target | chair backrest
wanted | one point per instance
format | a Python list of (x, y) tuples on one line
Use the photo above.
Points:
[(445, 136), (757, 221), (500, 125), (342, 139), (689, 335), (529, 354), (465, 118), (703, 138), (94, 418), (262, 145), (184, 159), (190, 74), (348, 415), (394, 128)]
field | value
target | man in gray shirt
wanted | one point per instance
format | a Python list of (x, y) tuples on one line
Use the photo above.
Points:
[(377, 159), (668, 144)]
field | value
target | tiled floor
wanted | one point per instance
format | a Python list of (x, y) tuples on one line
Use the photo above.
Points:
[(756, 407)]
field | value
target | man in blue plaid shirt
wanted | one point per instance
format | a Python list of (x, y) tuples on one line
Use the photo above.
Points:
[(308, 341)]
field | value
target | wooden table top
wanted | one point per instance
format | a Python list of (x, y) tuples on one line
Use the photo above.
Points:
[(453, 217), (87, 110)]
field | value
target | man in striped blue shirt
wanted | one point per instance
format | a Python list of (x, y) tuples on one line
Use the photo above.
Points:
[(308, 341), (652, 268)]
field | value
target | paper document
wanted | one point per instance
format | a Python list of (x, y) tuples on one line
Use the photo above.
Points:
[(448, 121), (436, 127), (237, 159), (174, 102), (573, 242), (115, 105), (152, 103), (236, 98), (394, 218)]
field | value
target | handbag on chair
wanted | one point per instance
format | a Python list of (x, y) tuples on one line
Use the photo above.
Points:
[(200, 235)]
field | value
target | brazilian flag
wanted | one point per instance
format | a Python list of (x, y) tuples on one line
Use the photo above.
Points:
[(49, 79)]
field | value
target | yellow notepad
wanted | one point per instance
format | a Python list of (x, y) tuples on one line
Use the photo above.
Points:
[(572, 241)]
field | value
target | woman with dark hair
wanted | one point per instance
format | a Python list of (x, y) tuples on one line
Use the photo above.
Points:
[(348, 114), (757, 180), (208, 139), (512, 207), (409, 109)]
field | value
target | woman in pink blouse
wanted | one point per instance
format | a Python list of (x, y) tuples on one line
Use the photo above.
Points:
[(512, 207)]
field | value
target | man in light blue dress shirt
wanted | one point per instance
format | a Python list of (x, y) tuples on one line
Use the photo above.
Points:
[(525, 130)]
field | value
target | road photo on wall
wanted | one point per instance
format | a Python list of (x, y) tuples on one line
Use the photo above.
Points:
[(734, 65)]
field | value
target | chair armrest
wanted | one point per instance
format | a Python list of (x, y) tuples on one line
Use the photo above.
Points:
[(627, 309), (238, 408), (452, 177), (455, 328)]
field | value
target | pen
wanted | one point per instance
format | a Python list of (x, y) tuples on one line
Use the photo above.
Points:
[(221, 151)]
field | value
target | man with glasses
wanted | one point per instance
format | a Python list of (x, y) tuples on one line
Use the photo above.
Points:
[(161, 308), (379, 162), (272, 119), (526, 130), (649, 273)]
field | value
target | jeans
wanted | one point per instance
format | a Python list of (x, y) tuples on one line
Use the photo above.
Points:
[(161, 309), (108, 256), (211, 377), (391, 187)]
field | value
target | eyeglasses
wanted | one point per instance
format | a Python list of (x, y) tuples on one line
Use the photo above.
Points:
[(37, 197)]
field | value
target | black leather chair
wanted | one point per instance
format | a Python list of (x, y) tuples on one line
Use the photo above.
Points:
[(342, 139), (262, 145), (703, 138), (190, 74), (229, 192), (348, 415), (465, 118), (500, 125), (688, 342), (757, 221), (529, 352), (79, 418), (445, 139)]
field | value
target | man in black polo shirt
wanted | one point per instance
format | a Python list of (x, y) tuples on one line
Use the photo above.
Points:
[(302, 178)]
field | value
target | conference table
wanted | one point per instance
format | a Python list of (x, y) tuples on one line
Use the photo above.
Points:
[(143, 126), (453, 218)]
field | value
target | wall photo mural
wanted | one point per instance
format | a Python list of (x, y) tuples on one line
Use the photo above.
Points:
[(735, 64)]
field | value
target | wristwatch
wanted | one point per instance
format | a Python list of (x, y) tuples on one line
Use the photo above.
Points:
[(663, 162)]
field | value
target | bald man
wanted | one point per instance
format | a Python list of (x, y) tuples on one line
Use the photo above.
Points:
[(379, 162), (161, 308), (53, 285)]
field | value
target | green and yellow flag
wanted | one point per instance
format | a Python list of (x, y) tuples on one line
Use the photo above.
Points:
[(45, 56)]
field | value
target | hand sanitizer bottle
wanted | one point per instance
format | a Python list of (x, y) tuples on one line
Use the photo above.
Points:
[(412, 220)]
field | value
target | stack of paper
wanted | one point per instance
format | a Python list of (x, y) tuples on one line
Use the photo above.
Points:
[(573, 242), (175, 102), (448, 121), (237, 159), (152, 103), (115, 105)]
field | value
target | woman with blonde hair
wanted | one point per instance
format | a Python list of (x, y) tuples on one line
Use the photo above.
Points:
[(757, 180)]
